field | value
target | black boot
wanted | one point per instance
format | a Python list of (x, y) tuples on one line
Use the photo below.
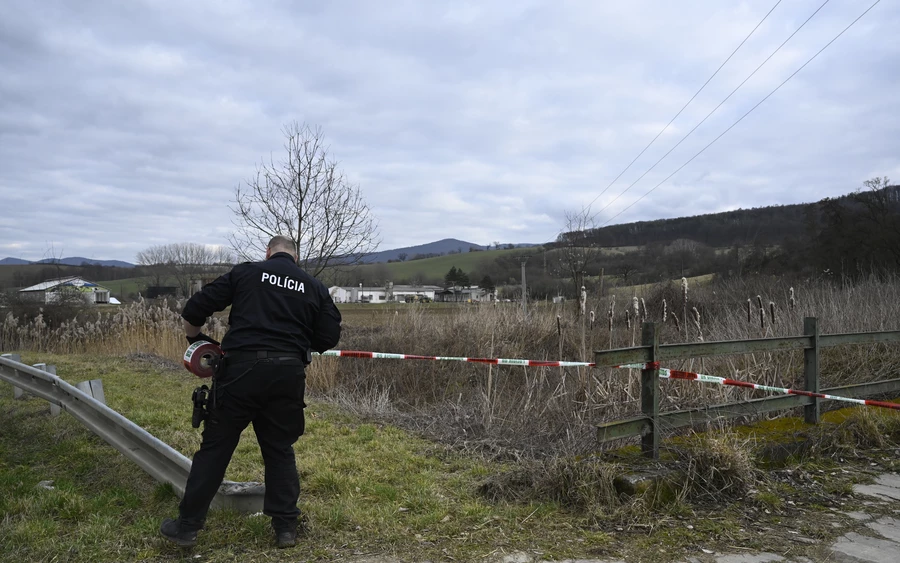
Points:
[(285, 538), (171, 530)]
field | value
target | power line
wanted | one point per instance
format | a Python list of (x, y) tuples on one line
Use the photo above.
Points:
[(663, 130), (702, 121), (745, 115)]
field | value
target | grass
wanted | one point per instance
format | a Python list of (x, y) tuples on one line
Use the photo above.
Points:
[(437, 267), (367, 488), (371, 488), (126, 288)]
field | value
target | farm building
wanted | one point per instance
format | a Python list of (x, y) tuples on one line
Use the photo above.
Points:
[(383, 294), (472, 294), (53, 291)]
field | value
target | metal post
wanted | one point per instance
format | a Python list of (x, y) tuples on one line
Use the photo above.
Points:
[(650, 392), (811, 413), (524, 291), (55, 409), (17, 393), (94, 388)]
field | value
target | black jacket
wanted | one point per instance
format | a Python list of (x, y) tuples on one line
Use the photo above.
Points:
[(275, 306)]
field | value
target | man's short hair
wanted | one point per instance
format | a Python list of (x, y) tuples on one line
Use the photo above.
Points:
[(281, 243)]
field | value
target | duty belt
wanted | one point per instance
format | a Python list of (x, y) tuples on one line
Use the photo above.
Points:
[(248, 355)]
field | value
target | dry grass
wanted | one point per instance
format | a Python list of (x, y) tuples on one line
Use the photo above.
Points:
[(859, 433), (531, 410)]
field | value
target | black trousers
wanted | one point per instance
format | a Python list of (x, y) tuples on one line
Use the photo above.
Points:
[(269, 393)]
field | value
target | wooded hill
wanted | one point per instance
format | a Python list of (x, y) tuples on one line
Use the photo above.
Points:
[(849, 236), (760, 225)]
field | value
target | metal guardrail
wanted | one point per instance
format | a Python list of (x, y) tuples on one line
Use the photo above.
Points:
[(650, 424), (154, 456)]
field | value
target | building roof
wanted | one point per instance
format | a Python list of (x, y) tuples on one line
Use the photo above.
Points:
[(395, 288), (72, 281)]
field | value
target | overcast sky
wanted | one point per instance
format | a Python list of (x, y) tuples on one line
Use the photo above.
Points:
[(129, 124)]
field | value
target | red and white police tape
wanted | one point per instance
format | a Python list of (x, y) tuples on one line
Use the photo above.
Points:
[(663, 372), (688, 375), (495, 361)]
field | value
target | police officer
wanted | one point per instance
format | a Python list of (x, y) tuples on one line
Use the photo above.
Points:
[(279, 314)]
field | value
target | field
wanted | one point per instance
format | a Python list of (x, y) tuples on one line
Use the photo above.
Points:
[(126, 288), (435, 268), (370, 489), (451, 460)]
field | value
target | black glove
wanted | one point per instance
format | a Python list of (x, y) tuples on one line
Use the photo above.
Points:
[(202, 337)]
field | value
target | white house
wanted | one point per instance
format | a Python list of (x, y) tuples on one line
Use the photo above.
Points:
[(52, 291), (382, 294)]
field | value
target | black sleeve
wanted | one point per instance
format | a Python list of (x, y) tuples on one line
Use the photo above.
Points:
[(327, 327), (213, 297)]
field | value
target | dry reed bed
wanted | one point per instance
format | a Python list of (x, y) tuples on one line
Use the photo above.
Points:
[(536, 409)]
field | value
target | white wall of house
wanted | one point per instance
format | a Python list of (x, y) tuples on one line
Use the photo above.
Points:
[(54, 291), (397, 293)]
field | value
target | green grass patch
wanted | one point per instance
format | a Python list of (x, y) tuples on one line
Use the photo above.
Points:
[(370, 488), (366, 488)]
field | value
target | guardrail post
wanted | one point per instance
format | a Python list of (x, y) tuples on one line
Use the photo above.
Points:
[(55, 409), (650, 392), (811, 412), (94, 388), (17, 393)]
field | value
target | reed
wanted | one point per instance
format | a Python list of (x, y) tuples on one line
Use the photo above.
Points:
[(530, 408)]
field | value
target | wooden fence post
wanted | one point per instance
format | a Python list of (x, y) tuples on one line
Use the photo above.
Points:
[(812, 412), (650, 392)]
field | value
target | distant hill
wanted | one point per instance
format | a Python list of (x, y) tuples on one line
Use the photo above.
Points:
[(433, 249), (70, 261), (436, 248)]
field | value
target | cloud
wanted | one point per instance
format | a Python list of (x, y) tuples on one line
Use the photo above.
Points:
[(124, 125)]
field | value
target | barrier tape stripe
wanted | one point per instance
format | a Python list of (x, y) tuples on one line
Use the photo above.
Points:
[(688, 375), (494, 361), (663, 372)]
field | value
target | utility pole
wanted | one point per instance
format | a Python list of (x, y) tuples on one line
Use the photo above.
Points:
[(524, 288)]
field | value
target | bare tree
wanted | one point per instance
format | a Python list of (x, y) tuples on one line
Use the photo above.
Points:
[(305, 197), (577, 253), (185, 261), (156, 259)]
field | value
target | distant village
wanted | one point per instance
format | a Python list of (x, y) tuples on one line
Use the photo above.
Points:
[(60, 289)]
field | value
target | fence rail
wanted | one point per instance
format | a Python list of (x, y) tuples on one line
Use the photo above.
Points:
[(651, 422), (154, 456)]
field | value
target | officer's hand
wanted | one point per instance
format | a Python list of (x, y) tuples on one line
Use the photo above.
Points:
[(201, 337)]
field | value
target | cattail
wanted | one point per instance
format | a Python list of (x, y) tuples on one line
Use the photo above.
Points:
[(644, 310), (627, 319), (583, 299), (791, 301), (636, 308), (592, 320), (772, 311), (610, 313), (749, 309), (558, 326), (762, 312), (665, 311), (684, 289), (697, 322)]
